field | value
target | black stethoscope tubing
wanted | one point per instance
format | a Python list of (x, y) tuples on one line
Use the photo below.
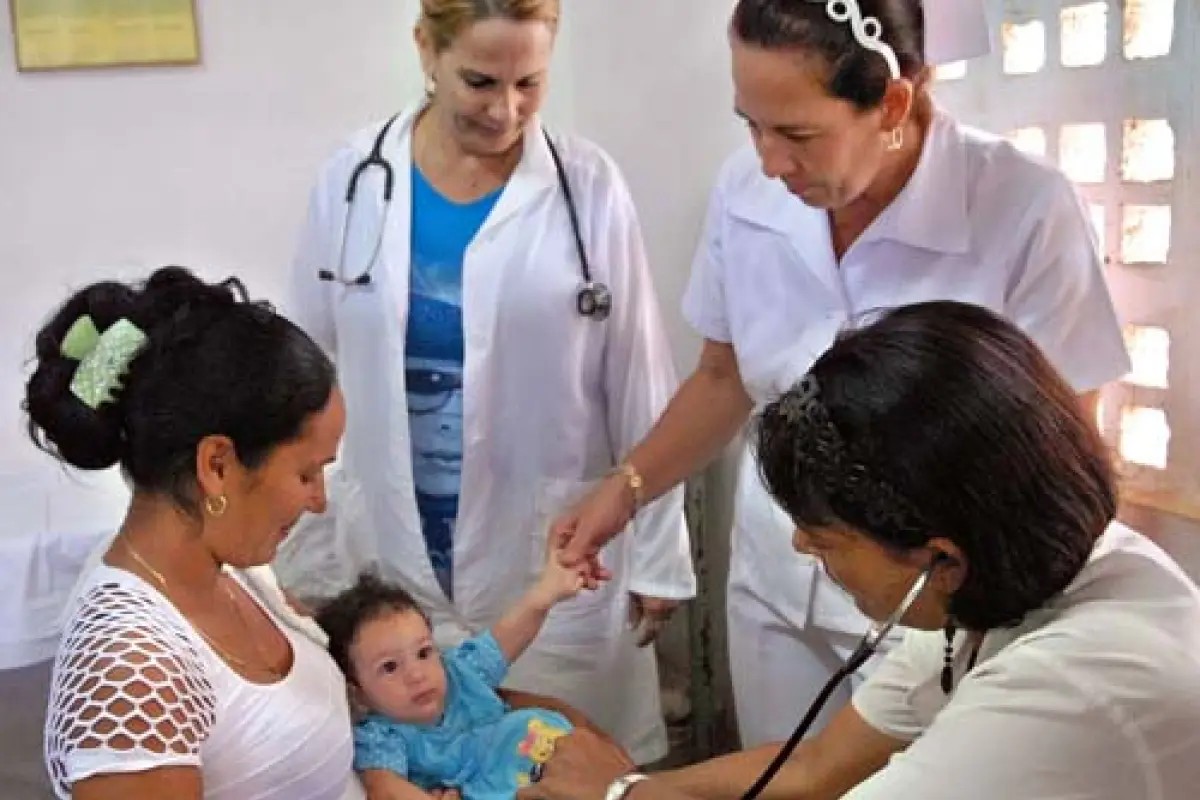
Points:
[(594, 300)]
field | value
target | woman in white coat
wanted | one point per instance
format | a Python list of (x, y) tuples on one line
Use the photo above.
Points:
[(859, 194), (1053, 652), (489, 375)]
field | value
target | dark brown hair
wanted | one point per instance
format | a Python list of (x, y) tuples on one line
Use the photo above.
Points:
[(368, 599), (214, 364), (943, 419), (854, 73)]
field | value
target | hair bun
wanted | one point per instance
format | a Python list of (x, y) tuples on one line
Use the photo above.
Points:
[(207, 362), (59, 422), (172, 292)]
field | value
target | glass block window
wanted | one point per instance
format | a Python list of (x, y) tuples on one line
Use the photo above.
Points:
[(1083, 152), (1031, 140), (1148, 151), (1084, 39), (1103, 88), (1150, 351), (1024, 47), (1145, 436), (1146, 234), (954, 71), (1149, 28)]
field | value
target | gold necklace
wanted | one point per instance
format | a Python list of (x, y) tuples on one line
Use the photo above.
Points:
[(221, 651)]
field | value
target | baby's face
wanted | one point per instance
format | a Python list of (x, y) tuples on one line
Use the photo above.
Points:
[(398, 669)]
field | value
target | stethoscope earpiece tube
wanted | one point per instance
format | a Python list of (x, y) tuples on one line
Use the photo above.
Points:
[(866, 648), (860, 656), (594, 300)]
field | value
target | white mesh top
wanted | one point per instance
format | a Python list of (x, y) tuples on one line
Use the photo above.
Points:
[(136, 687)]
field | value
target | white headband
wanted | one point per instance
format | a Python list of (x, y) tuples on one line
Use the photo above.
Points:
[(868, 31), (954, 30)]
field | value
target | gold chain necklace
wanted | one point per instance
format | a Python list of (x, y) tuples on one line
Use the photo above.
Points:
[(221, 651)]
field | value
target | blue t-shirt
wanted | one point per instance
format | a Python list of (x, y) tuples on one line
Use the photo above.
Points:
[(479, 746), (441, 232)]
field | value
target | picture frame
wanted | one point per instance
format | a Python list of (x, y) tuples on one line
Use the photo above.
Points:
[(89, 34)]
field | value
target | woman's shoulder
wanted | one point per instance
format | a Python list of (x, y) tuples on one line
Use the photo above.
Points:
[(116, 613), (1122, 633), (583, 158), (129, 682), (106, 590), (997, 168), (350, 150), (741, 171), (117, 618)]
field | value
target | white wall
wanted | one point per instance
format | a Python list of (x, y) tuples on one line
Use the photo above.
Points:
[(110, 172), (1162, 295), (205, 166), (651, 84)]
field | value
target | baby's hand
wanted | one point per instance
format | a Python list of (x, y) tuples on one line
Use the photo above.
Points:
[(557, 582), (445, 794)]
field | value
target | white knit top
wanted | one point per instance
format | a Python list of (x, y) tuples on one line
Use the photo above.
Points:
[(135, 687)]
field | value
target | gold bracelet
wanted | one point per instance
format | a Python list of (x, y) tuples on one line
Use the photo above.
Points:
[(633, 479)]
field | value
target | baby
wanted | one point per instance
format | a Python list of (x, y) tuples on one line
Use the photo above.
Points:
[(434, 719)]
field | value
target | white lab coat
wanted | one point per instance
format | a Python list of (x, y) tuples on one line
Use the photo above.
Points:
[(552, 401), (978, 222), (1096, 695)]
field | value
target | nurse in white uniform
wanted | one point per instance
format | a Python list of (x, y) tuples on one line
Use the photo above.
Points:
[(499, 345), (859, 193), (1052, 653)]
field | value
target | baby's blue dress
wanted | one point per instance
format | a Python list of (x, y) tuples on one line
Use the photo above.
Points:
[(479, 746)]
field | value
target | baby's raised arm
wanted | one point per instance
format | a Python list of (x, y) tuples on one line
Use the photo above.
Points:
[(517, 629)]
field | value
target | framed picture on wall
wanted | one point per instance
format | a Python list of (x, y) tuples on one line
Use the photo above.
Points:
[(78, 34)]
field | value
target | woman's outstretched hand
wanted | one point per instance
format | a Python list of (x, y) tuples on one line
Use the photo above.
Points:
[(593, 522), (582, 767)]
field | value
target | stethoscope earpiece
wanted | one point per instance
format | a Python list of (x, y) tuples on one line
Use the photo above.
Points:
[(328, 277), (942, 559)]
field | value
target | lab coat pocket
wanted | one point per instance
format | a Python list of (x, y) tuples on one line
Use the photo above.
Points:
[(588, 617)]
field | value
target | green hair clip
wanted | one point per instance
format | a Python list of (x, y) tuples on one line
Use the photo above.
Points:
[(80, 338), (103, 358)]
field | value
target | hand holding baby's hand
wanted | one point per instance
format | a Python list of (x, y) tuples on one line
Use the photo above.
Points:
[(558, 582)]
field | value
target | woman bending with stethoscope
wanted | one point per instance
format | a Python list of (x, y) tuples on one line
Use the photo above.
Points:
[(484, 290), (943, 472)]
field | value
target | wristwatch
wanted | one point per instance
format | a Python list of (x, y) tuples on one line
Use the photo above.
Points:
[(621, 786)]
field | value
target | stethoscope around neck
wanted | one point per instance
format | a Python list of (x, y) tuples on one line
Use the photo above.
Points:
[(593, 300)]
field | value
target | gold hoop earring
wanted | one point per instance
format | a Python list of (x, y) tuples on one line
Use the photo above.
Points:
[(216, 506), (895, 139)]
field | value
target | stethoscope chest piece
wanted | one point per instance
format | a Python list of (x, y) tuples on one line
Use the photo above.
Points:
[(594, 301)]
